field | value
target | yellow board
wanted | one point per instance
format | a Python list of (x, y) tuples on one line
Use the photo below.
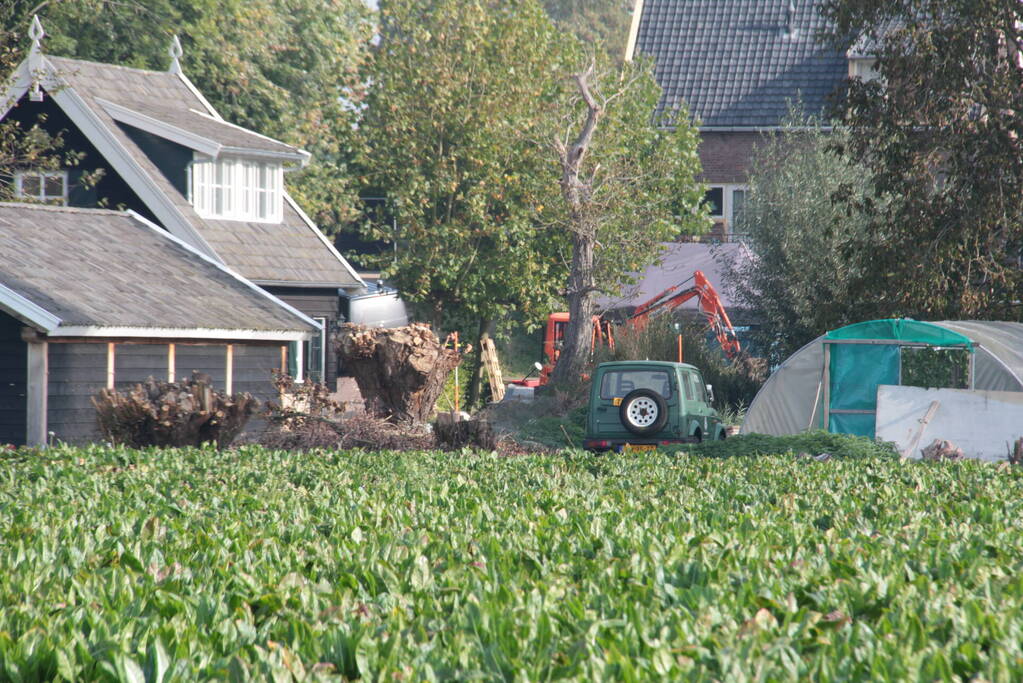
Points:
[(635, 448), (493, 368)]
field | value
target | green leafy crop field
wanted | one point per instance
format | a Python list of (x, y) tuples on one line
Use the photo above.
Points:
[(248, 564)]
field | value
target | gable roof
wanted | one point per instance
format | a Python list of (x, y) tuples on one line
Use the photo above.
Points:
[(126, 277), (96, 97), (734, 62)]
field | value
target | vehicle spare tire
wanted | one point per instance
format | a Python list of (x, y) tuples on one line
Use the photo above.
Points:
[(643, 412)]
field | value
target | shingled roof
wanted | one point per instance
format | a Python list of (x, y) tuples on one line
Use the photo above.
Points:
[(292, 252), (736, 63), (93, 268)]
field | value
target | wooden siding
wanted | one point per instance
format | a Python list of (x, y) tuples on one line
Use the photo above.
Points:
[(253, 366), (13, 373), (211, 359), (135, 363), (77, 372)]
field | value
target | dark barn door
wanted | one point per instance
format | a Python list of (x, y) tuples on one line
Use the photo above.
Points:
[(13, 371)]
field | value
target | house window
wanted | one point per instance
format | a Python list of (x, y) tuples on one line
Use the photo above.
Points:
[(237, 189), (726, 203), (43, 186)]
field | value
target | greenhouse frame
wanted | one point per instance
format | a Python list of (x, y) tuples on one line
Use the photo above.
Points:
[(831, 383)]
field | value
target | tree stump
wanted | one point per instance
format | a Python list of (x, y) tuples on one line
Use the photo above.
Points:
[(452, 432), (400, 371)]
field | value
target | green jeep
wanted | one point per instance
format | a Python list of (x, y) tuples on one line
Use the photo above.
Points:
[(639, 405)]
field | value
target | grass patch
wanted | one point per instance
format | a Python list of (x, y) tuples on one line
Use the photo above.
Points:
[(810, 443)]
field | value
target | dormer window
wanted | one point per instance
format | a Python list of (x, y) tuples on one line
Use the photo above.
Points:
[(41, 186), (238, 189)]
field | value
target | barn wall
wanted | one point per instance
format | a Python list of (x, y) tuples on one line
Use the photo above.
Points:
[(135, 363), (13, 372), (77, 372), (207, 358), (253, 366)]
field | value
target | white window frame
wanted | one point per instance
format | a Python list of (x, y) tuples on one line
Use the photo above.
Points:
[(19, 192), (727, 201), (239, 190), (323, 352)]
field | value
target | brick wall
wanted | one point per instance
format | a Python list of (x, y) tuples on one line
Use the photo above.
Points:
[(726, 157)]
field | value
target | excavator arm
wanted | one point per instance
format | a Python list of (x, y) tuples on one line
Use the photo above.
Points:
[(709, 304)]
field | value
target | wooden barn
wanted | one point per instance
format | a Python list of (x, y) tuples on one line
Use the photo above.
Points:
[(166, 153), (91, 298)]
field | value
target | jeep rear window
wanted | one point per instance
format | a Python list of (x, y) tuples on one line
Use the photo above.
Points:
[(617, 383)]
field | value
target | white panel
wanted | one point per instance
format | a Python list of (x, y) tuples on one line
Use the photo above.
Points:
[(982, 423)]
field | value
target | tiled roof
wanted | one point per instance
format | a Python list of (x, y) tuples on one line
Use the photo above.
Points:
[(101, 268), (735, 63), (288, 252)]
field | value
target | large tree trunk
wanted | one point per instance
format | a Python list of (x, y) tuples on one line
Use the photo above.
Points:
[(400, 371), (476, 379), (575, 353), (577, 191)]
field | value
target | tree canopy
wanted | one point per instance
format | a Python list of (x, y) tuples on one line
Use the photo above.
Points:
[(799, 281), (941, 131), (449, 133), (603, 24)]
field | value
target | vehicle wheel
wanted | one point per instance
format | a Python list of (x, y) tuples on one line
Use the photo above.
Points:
[(643, 412), (698, 437), (722, 435)]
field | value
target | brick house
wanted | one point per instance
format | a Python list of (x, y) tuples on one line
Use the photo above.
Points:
[(739, 66)]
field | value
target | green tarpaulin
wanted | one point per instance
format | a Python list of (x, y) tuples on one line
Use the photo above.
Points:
[(902, 330)]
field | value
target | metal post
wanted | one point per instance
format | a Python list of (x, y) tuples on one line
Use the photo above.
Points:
[(826, 380)]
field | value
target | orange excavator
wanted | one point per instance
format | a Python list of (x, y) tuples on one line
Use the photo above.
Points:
[(671, 298)]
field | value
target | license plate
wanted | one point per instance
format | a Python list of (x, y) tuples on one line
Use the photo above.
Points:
[(635, 448)]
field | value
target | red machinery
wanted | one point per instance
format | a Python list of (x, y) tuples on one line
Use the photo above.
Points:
[(709, 305)]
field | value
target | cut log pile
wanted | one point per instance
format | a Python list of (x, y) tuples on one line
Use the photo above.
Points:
[(941, 449), (400, 371), (157, 413)]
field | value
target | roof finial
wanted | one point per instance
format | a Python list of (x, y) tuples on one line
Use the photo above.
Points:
[(36, 33), (35, 57), (175, 54)]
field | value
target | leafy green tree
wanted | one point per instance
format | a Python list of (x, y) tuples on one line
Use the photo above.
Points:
[(450, 132), (284, 68), (800, 280), (628, 183), (941, 130), (603, 24)]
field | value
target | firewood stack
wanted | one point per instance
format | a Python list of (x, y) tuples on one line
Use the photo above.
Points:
[(400, 371), (157, 413)]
